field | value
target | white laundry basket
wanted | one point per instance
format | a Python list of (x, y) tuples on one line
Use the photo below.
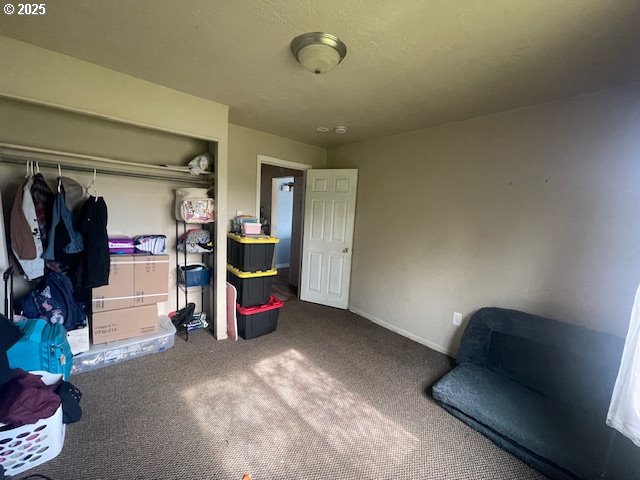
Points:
[(31, 445)]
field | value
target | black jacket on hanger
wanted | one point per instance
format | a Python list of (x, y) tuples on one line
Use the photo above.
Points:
[(92, 224)]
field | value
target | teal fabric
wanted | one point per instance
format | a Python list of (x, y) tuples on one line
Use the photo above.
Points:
[(537, 387), (43, 346)]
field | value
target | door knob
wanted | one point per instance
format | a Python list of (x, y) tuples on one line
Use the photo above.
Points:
[(346, 250)]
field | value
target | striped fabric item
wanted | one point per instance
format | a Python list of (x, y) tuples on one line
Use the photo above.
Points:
[(152, 244)]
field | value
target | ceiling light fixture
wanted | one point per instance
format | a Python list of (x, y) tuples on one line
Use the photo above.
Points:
[(340, 129), (318, 52), (322, 129)]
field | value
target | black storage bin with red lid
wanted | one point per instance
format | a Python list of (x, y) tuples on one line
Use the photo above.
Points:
[(257, 321)]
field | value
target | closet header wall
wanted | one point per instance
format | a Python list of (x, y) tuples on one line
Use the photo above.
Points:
[(82, 143)]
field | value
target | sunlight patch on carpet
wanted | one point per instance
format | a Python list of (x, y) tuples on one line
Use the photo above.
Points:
[(228, 407), (286, 402), (343, 418)]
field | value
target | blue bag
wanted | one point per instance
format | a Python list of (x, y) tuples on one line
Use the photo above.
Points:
[(43, 346), (53, 300)]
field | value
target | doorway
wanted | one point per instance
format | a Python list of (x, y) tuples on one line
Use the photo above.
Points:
[(282, 219), (279, 197)]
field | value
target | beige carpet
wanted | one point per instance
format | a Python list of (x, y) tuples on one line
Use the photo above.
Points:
[(328, 396)]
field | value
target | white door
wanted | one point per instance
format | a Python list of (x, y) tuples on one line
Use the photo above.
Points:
[(329, 214)]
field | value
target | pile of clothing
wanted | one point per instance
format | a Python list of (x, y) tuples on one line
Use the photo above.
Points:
[(24, 398), (197, 240), (28, 349)]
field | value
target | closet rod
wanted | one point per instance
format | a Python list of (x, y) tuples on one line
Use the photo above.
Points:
[(18, 154)]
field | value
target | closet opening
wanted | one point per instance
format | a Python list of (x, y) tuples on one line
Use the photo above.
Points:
[(135, 170)]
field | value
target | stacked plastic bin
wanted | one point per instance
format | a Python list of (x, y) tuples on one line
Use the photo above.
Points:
[(250, 270)]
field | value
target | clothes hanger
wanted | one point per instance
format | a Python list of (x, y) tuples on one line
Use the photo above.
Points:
[(91, 188), (30, 169), (59, 178)]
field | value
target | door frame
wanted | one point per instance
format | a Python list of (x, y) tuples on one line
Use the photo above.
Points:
[(303, 167), (266, 160)]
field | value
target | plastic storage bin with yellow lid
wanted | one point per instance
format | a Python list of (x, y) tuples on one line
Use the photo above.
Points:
[(253, 288), (250, 254)]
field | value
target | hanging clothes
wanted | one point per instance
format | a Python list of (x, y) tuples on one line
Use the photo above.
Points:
[(25, 233), (74, 192), (92, 223), (29, 209), (4, 256), (22, 242), (63, 237), (4, 263), (36, 266), (43, 202)]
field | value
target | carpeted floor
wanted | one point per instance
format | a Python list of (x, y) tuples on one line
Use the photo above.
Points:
[(280, 286), (328, 396)]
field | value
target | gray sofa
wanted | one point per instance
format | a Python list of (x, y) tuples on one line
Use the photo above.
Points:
[(538, 388)]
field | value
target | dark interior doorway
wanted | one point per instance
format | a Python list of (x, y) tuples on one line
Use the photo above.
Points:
[(281, 194)]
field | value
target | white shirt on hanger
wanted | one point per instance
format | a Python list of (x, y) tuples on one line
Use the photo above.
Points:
[(32, 268)]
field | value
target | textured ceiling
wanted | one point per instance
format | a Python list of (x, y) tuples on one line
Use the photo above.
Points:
[(410, 64)]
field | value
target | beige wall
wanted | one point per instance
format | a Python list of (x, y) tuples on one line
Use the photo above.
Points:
[(44, 77), (535, 209), (51, 128), (244, 147)]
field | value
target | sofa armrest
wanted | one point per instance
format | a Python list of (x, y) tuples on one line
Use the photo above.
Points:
[(476, 339)]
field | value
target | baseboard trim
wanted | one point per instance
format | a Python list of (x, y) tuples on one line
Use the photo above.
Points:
[(400, 331)]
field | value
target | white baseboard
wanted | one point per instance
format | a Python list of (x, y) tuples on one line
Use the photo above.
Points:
[(282, 265), (404, 333)]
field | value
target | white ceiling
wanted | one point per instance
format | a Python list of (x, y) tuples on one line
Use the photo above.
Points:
[(410, 64)]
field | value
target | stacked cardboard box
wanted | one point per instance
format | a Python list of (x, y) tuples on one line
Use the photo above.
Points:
[(127, 307)]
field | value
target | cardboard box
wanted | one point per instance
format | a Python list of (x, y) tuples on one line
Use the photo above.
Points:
[(79, 340), (119, 293), (150, 279), (125, 323), (134, 280)]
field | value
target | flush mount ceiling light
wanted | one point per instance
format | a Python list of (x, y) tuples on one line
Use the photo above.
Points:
[(318, 52)]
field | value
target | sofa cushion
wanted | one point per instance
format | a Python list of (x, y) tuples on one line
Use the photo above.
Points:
[(570, 363), (552, 436)]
